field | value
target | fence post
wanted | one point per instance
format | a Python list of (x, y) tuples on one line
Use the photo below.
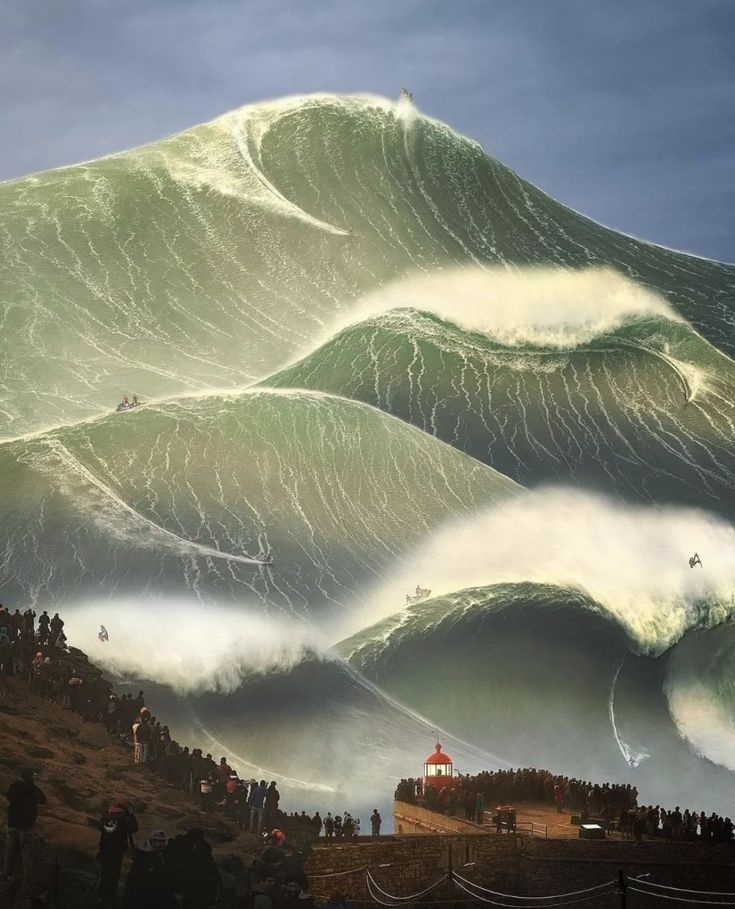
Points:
[(622, 884), (450, 867)]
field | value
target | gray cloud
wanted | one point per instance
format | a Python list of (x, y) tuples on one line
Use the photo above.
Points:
[(621, 110)]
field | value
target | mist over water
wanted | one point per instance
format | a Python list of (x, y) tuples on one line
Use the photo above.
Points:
[(358, 337)]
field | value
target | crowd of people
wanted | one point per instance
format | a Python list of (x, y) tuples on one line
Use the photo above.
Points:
[(614, 804), (164, 868), (343, 827), (35, 650)]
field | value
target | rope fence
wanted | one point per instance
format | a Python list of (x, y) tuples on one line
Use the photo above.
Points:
[(477, 893)]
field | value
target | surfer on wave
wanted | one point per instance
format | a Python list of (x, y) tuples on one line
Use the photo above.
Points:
[(406, 95), (695, 560), (102, 634)]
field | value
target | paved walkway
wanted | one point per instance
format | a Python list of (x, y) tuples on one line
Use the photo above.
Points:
[(542, 816)]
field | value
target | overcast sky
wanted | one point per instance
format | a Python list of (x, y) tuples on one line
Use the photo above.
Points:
[(622, 109)]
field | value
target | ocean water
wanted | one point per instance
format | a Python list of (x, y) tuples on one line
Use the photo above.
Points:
[(370, 349)]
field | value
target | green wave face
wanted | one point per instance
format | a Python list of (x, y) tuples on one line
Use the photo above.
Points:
[(181, 499), (208, 259), (534, 672), (644, 411)]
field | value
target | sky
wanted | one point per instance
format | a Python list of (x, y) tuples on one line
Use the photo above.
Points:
[(621, 109)]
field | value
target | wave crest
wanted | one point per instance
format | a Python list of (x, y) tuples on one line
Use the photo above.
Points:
[(543, 307), (632, 561)]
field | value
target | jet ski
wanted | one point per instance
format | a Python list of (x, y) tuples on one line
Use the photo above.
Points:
[(126, 404), (421, 593), (406, 95)]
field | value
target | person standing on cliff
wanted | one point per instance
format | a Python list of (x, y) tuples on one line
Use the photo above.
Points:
[(151, 881), (24, 797), (43, 627), (375, 821), (328, 826), (117, 826)]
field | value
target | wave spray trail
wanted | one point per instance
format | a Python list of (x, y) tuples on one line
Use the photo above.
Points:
[(632, 758)]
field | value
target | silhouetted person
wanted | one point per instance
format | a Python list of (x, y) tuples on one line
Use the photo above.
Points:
[(194, 868), (24, 797), (117, 826), (151, 882), (375, 821)]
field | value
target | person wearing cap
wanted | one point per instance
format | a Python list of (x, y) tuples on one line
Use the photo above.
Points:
[(24, 797), (195, 869), (294, 896), (117, 826), (151, 882)]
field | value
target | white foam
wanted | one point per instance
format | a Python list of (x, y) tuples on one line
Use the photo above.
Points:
[(546, 307), (184, 644), (631, 560)]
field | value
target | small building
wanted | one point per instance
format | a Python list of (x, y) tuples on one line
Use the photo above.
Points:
[(438, 769)]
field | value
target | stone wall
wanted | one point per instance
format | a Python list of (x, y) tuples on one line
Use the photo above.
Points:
[(548, 866), (405, 865), (519, 865)]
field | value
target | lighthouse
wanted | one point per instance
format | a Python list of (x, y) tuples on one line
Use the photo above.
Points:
[(438, 769)]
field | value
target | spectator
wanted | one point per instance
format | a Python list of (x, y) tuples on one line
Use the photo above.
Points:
[(151, 881), (256, 803), (272, 799), (117, 826), (328, 826), (24, 797), (375, 822), (316, 825)]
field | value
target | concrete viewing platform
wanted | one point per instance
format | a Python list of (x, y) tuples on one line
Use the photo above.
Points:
[(532, 819)]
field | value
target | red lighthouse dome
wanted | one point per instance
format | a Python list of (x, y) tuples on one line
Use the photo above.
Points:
[(438, 769)]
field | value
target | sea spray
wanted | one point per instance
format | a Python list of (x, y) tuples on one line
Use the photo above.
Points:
[(187, 646)]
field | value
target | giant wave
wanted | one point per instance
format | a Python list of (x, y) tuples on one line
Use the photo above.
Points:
[(355, 330), (208, 259)]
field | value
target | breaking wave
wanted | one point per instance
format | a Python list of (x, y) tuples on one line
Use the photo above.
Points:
[(631, 562), (700, 687), (187, 646), (541, 307), (212, 257), (643, 411)]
